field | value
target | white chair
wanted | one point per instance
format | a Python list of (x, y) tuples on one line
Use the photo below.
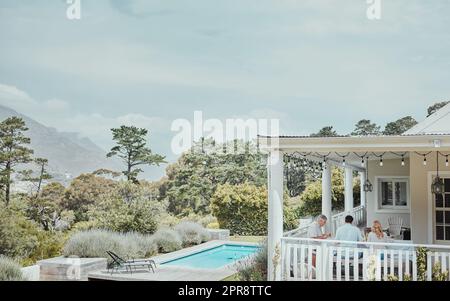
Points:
[(395, 227)]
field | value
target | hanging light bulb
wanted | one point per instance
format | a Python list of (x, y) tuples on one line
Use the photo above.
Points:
[(381, 161), (403, 160), (363, 163), (446, 161), (424, 160), (343, 162)]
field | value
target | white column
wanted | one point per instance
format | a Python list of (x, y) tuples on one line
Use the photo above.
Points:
[(348, 182), (275, 226), (326, 195), (362, 176)]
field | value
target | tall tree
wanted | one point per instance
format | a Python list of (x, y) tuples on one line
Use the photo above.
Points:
[(365, 127), (132, 149), (436, 107), (13, 150), (42, 175), (327, 131), (400, 126)]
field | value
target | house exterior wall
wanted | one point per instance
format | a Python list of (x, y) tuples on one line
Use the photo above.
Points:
[(391, 168), (421, 204)]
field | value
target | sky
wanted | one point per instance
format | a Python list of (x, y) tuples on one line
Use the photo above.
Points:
[(308, 63)]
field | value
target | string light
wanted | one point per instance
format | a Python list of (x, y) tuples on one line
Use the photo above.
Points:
[(403, 160), (446, 160), (343, 162), (424, 160), (363, 163), (381, 161)]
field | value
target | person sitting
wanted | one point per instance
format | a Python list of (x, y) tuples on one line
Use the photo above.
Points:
[(377, 234), (315, 229), (348, 232), (315, 232)]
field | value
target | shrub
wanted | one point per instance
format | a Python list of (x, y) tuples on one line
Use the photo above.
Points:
[(167, 240), (213, 226), (128, 208), (192, 233), (95, 243), (241, 208), (18, 236), (254, 269), (10, 270)]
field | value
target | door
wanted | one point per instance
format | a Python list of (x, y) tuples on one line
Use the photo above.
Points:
[(442, 215)]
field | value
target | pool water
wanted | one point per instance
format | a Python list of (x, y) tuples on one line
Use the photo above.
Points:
[(214, 258)]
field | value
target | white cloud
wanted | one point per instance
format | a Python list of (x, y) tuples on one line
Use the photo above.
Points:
[(15, 98)]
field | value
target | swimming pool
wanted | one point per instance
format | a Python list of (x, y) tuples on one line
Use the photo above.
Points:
[(215, 257)]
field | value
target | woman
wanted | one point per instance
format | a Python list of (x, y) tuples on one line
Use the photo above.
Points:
[(377, 234)]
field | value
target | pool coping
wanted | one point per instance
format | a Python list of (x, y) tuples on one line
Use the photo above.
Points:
[(182, 273), (165, 258)]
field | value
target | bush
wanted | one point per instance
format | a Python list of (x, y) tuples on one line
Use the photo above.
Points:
[(18, 236), (10, 270), (241, 208), (213, 226), (192, 233), (167, 240), (95, 243), (254, 269), (128, 208)]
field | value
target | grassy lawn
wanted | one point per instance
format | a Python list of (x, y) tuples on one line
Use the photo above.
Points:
[(256, 239)]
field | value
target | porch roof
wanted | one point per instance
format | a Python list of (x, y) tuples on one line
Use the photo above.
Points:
[(403, 143)]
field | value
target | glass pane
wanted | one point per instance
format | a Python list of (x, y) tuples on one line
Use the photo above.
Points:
[(447, 185), (400, 194), (447, 200), (439, 201), (447, 233), (386, 194), (439, 217), (439, 233), (447, 217)]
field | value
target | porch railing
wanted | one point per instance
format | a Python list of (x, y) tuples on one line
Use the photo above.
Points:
[(327, 260), (359, 217), (358, 213)]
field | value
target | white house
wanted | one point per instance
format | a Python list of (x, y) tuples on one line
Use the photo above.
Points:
[(398, 182)]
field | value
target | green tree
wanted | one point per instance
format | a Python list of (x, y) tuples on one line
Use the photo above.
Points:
[(400, 126), (38, 180), (13, 151), (436, 107), (193, 179), (84, 191), (365, 127), (132, 149), (327, 131)]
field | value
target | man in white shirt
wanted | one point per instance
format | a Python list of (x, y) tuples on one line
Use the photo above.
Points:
[(348, 232), (315, 229)]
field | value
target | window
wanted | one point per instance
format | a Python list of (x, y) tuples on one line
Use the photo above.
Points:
[(442, 213), (393, 193)]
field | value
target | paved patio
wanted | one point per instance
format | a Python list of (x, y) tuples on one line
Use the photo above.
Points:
[(175, 273)]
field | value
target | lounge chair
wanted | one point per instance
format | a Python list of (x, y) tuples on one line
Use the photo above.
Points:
[(118, 262)]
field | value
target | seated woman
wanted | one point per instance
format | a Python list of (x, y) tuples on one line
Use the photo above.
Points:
[(377, 234)]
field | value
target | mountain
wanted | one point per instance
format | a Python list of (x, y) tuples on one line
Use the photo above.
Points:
[(68, 154)]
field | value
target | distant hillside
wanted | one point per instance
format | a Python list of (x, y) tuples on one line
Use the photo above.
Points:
[(68, 154)]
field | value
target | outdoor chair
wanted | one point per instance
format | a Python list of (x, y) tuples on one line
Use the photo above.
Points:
[(129, 265), (395, 227)]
